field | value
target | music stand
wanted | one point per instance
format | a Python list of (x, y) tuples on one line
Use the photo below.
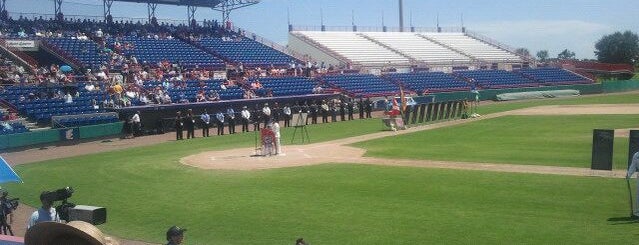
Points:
[(299, 121)]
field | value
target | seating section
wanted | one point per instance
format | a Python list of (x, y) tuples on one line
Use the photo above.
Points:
[(355, 47), (418, 47), (152, 51), (431, 81), (12, 128), (42, 110), (251, 53), (193, 87), (286, 86), (85, 51), (495, 79), (362, 84), (553, 76), (83, 120), (472, 47)]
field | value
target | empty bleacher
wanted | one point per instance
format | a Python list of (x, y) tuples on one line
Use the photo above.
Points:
[(356, 48), (247, 51), (286, 86), (86, 52), (152, 51), (553, 76), (431, 81), (418, 47), (472, 47), (362, 84), (495, 79)]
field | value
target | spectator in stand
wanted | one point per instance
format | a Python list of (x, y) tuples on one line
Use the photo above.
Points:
[(200, 97), (68, 98)]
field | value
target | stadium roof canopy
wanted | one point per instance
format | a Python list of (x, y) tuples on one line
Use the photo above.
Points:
[(196, 3)]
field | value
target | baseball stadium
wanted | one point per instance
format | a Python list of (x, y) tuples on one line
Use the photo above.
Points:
[(314, 134)]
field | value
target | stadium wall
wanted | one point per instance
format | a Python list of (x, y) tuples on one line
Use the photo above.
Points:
[(58, 135), (300, 46), (620, 86)]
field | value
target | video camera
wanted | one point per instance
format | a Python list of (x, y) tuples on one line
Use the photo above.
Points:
[(69, 211)]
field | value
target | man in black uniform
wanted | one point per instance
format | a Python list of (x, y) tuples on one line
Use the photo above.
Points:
[(313, 112), (369, 107), (334, 111), (179, 126), (342, 111), (360, 107), (349, 107), (257, 114), (189, 122)]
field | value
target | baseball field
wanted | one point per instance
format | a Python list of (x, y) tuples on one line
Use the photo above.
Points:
[(328, 194)]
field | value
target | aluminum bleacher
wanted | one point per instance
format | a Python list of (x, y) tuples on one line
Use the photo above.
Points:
[(356, 48), (418, 47), (472, 47)]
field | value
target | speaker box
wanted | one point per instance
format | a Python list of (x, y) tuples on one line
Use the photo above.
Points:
[(602, 147)]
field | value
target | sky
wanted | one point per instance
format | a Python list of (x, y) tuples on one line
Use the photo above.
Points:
[(536, 25)]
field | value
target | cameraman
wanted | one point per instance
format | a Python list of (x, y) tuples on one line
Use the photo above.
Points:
[(6, 213), (45, 213)]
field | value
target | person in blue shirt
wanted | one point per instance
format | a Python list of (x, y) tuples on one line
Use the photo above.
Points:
[(220, 122), (44, 213), (206, 123)]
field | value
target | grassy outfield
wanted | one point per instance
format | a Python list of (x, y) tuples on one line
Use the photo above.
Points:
[(536, 140), (338, 204), (146, 190)]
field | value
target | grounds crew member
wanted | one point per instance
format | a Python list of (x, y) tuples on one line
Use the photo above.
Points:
[(634, 167)]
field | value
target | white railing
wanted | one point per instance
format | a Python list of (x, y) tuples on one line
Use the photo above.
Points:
[(374, 29)]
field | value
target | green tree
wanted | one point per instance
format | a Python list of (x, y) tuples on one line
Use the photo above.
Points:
[(542, 55), (522, 51), (566, 55), (618, 48)]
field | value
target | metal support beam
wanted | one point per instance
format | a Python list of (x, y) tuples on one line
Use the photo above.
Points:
[(151, 10), (58, 7), (106, 4), (3, 6), (401, 16), (226, 6), (190, 11)]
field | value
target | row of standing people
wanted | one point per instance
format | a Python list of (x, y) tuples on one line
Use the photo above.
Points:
[(258, 117)]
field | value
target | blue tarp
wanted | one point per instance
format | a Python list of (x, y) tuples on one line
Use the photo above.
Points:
[(6, 173)]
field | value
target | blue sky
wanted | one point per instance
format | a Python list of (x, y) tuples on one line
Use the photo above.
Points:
[(536, 25)]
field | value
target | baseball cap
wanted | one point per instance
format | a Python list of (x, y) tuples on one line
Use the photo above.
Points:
[(174, 231)]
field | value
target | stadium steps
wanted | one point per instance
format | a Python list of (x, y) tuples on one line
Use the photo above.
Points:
[(19, 57), (410, 58), (206, 50), (60, 54), (447, 46)]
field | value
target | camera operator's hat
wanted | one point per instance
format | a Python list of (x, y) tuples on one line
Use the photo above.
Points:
[(58, 233), (174, 231)]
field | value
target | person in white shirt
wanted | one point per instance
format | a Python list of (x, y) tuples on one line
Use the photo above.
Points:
[(246, 117), (278, 145), (68, 98), (266, 114), (136, 123)]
